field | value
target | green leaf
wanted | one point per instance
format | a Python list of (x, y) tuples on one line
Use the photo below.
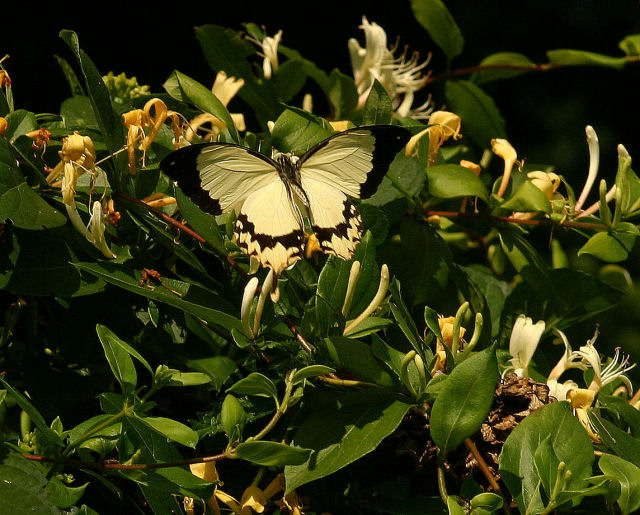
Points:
[(111, 124), (62, 495), (298, 130), (453, 181), (20, 122), (527, 197), (368, 326), (23, 206), (405, 178), (618, 441), (310, 371), (568, 441), (105, 332), (419, 259), (333, 282), (119, 359), (289, 78), (464, 400), (482, 119), (614, 246), (50, 436), (225, 50), (434, 16), (341, 430), (218, 368), (172, 429), (377, 109), (570, 57), (343, 94), (506, 59), (357, 357), (22, 487), (184, 88), (403, 316), (232, 417), (188, 301), (255, 384), (203, 223), (102, 441), (628, 475), (630, 45), (271, 454), (189, 379)]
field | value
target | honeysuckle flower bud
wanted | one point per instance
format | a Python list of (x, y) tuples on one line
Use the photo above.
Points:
[(502, 148), (96, 228), (444, 125), (594, 163), (307, 102), (245, 310), (375, 302), (354, 275), (4, 125), (447, 328), (524, 340), (267, 287)]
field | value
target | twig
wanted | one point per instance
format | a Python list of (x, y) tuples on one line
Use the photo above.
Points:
[(110, 465), (510, 219), (485, 470)]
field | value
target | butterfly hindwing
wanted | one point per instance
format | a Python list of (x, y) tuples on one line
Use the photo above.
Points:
[(269, 229)]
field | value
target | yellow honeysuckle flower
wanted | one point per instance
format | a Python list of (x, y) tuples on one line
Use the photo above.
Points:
[(269, 47), (137, 120), (5, 80), (446, 325), (547, 182), (502, 148), (4, 125), (225, 87), (444, 125), (581, 400)]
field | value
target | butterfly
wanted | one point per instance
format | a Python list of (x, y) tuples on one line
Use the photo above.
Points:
[(273, 196)]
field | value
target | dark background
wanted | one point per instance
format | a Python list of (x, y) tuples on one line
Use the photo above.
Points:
[(545, 113)]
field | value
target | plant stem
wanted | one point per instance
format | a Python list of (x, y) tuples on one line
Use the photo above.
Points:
[(442, 485)]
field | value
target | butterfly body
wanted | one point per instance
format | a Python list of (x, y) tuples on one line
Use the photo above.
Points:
[(274, 196)]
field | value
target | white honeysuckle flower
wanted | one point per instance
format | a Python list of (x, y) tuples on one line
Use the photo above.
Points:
[(225, 87), (373, 61), (616, 369), (96, 228), (524, 340), (560, 390), (269, 46), (400, 76), (570, 359)]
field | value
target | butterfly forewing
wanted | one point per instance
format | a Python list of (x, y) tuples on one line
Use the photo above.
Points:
[(218, 177), (351, 163)]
